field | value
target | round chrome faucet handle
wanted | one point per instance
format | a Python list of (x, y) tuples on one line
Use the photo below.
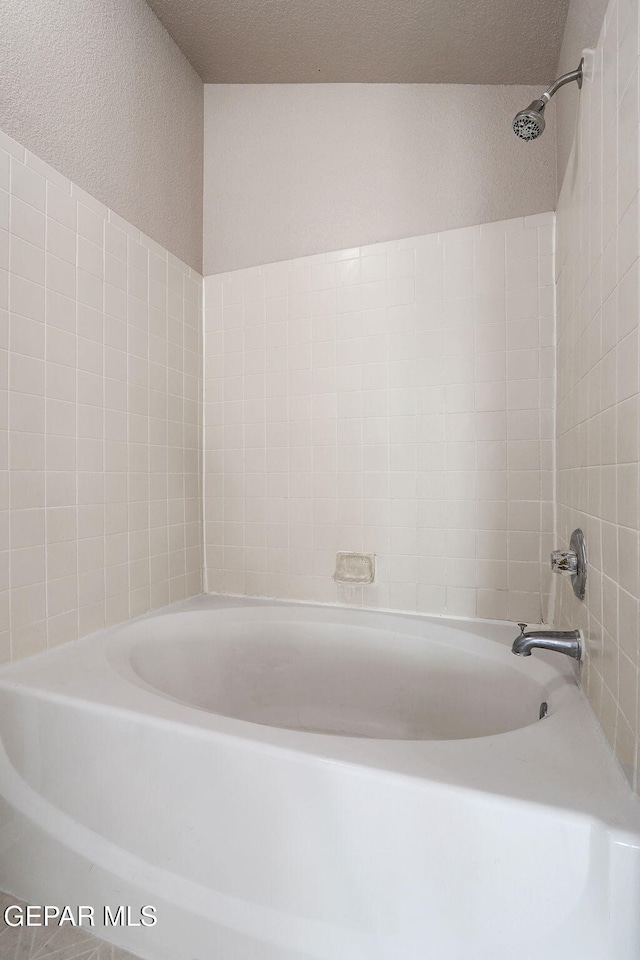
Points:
[(564, 561)]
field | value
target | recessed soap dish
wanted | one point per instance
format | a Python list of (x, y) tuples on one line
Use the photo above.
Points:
[(355, 568)]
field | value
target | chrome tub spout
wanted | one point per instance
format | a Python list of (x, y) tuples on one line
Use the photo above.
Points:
[(562, 641)]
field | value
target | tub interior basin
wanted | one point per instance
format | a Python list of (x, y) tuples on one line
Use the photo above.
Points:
[(343, 679)]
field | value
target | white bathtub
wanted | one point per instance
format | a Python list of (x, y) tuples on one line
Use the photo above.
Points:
[(289, 782)]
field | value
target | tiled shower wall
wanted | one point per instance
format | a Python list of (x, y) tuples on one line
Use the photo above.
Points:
[(100, 409), (395, 399), (598, 377)]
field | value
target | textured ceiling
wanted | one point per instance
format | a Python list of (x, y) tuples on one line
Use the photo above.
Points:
[(368, 41)]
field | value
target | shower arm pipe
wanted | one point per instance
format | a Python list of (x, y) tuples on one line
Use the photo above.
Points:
[(560, 82)]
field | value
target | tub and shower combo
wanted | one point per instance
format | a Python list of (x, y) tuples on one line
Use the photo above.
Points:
[(292, 782), (279, 781)]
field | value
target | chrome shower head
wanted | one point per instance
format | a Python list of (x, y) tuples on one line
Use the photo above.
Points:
[(529, 123)]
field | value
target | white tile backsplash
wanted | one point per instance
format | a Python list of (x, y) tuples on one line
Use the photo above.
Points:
[(394, 399), (100, 414), (598, 378)]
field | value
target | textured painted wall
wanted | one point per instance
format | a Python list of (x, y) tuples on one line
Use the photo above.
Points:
[(584, 21), (100, 403), (395, 399), (598, 425), (98, 89), (296, 169)]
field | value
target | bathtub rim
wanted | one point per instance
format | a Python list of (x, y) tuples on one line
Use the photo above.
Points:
[(562, 762)]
